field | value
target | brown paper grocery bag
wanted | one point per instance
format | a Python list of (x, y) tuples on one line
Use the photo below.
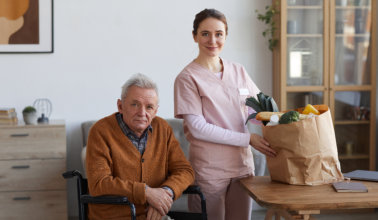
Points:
[(306, 151)]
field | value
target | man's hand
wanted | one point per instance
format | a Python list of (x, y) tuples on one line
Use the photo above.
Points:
[(159, 199), (260, 144), (153, 214), (169, 192)]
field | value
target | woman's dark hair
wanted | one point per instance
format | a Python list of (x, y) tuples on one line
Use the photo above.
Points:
[(208, 13)]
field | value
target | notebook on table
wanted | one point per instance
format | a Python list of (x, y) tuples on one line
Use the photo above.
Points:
[(363, 175), (348, 186)]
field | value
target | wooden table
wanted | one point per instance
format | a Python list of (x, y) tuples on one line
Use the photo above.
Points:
[(299, 202)]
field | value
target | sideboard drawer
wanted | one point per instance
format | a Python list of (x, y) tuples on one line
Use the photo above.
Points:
[(33, 205), (32, 143), (32, 175)]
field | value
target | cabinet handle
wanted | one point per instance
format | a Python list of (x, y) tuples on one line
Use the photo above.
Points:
[(22, 198), (21, 167), (19, 135)]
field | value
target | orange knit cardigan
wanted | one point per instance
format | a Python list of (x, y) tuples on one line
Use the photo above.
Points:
[(115, 167)]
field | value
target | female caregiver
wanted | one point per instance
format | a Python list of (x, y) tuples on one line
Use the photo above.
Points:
[(210, 96)]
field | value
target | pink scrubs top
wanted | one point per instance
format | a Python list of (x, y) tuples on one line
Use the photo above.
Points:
[(222, 103)]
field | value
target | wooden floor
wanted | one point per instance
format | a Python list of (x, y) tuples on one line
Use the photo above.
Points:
[(260, 215)]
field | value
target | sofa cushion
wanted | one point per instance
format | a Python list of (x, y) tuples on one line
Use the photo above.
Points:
[(85, 126)]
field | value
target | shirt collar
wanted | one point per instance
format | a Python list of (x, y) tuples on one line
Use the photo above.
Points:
[(126, 130)]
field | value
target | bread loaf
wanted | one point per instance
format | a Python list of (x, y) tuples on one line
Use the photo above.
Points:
[(265, 116)]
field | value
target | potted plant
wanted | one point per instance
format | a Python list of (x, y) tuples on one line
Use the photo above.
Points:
[(30, 115), (268, 18)]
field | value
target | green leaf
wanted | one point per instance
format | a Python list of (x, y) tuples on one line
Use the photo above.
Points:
[(261, 98), (253, 103), (267, 17), (251, 116), (274, 105), (268, 104)]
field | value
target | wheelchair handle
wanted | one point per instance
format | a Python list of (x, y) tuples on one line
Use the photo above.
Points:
[(193, 189), (72, 173)]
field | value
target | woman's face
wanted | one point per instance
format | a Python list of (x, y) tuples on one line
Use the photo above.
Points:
[(211, 35)]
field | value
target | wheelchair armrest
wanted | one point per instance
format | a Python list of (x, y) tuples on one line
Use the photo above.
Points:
[(192, 189), (72, 173), (82, 189), (115, 200)]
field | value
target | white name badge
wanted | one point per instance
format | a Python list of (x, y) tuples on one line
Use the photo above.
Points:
[(243, 91)]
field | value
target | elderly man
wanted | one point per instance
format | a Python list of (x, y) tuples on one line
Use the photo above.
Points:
[(135, 154)]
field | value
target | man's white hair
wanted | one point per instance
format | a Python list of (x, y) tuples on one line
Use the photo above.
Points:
[(141, 81)]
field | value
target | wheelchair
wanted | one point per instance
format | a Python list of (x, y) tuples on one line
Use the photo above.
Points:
[(84, 199)]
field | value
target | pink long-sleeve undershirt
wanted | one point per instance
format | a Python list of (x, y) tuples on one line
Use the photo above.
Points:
[(205, 131)]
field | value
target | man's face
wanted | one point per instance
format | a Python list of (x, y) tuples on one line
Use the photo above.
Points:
[(138, 108)]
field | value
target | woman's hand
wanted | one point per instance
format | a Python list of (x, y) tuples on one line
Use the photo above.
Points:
[(260, 144)]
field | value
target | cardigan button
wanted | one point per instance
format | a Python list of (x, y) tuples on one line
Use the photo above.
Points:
[(142, 160)]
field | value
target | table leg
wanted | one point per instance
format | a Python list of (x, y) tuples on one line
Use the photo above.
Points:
[(306, 214), (269, 214), (304, 217), (278, 216), (278, 213), (300, 215)]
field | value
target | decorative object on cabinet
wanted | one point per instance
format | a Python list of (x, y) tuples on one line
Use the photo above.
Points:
[(8, 116), (27, 26), (32, 158), (44, 109), (268, 18), (30, 115), (330, 59)]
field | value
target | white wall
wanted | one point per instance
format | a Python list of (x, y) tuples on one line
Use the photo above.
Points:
[(100, 43)]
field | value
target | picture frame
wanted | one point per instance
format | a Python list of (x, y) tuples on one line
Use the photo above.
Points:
[(32, 30)]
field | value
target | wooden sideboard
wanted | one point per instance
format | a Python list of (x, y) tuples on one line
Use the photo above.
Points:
[(32, 159)]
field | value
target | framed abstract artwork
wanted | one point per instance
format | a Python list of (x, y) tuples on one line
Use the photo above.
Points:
[(26, 26)]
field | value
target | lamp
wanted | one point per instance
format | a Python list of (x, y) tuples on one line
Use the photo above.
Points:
[(44, 107)]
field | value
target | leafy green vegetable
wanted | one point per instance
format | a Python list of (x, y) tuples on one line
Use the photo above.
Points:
[(274, 105), (253, 103), (261, 97), (251, 116), (289, 117), (264, 103), (268, 104)]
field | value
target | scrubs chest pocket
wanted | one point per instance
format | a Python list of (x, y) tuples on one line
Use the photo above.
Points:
[(243, 94)]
